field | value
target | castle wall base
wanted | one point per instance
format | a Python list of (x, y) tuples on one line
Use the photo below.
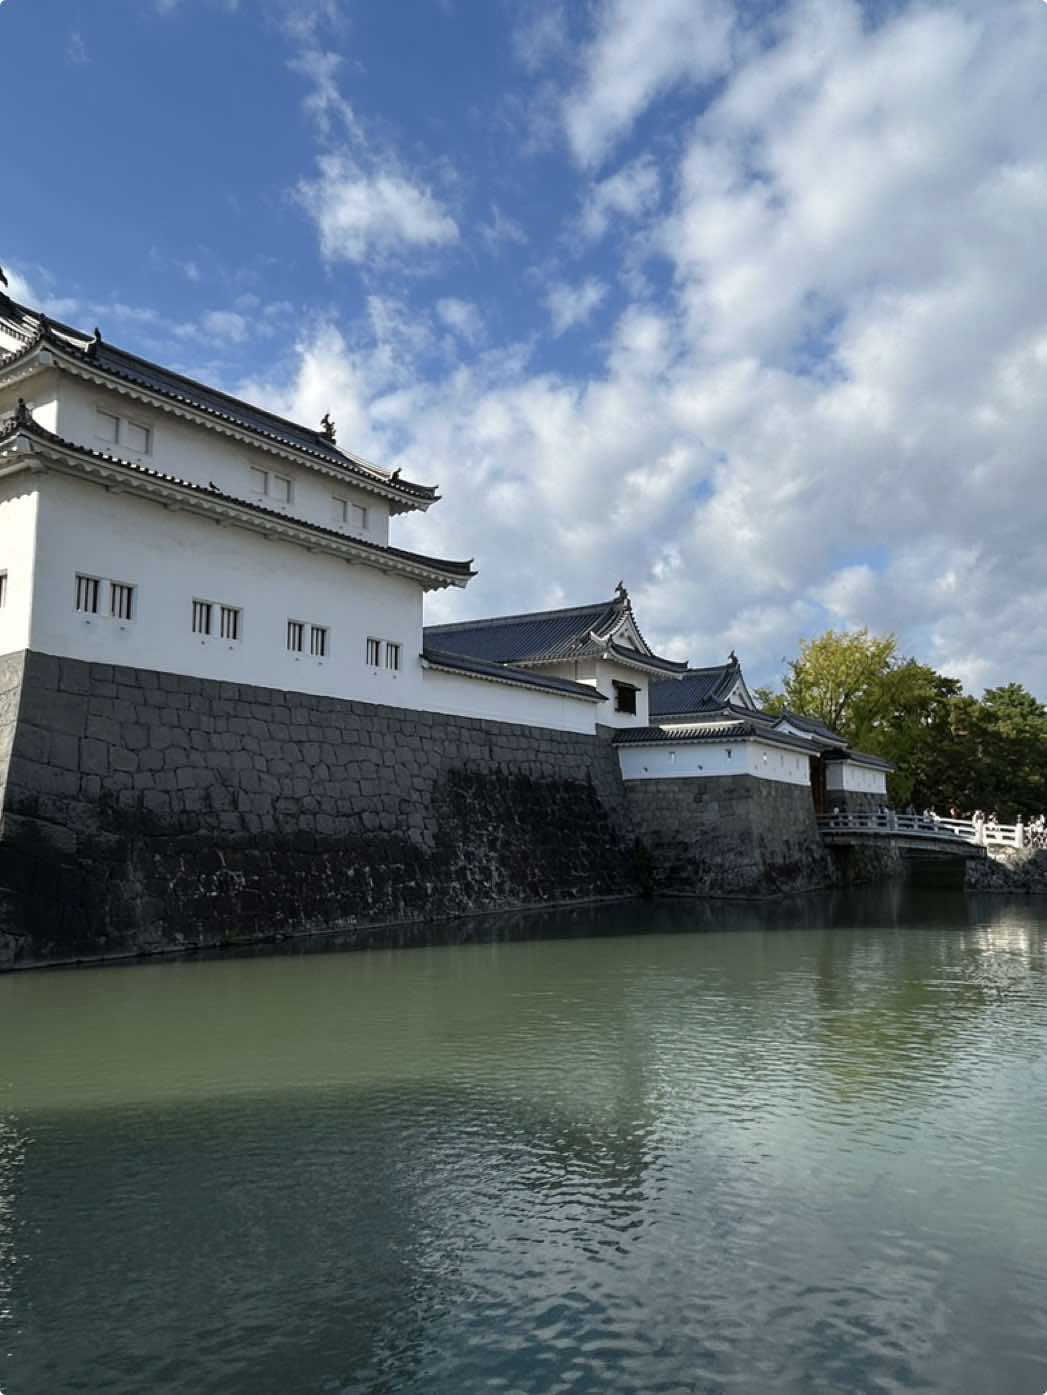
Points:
[(145, 811), (728, 836)]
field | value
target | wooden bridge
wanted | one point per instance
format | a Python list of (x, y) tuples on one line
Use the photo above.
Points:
[(922, 833)]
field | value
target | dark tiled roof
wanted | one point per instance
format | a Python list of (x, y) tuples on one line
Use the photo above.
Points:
[(648, 660), (699, 690), (505, 673), (860, 758), (27, 426), (544, 636), (721, 731), (814, 726), (107, 359)]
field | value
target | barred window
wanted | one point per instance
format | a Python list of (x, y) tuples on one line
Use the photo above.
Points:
[(3, 589), (318, 641), (202, 617), (87, 592), (374, 652), (121, 600), (295, 636), (392, 656), (358, 517), (229, 622), (339, 509)]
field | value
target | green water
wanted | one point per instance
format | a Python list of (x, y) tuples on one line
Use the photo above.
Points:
[(672, 1149)]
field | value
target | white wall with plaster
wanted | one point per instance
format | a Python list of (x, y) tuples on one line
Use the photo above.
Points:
[(175, 557), (460, 695), (18, 514), (848, 777), (702, 759), (202, 455)]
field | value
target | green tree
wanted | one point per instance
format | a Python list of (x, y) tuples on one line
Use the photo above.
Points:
[(949, 749), (839, 679)]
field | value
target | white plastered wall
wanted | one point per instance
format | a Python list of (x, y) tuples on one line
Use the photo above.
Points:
[(462, 696), (702, 759), (599, 674), (18, 514), (845, 776), (174, 557), (204, 456), (41, 396)]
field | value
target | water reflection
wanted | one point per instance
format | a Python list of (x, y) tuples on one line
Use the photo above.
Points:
[(732, 1152)]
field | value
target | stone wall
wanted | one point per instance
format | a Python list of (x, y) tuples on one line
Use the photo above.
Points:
[(1023, 870), (10, 692), (728, 836), (146, 811)]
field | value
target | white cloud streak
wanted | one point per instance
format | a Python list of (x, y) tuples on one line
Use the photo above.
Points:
[(570, 306)]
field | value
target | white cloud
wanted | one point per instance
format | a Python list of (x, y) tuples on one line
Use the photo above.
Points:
[(462, 317), (324, 104), (364, 204), (76, 50), (500, 229), (570, 306), (640, 51), (832, 408), (629, 193), (225, 324), (360, 214), (541, 35), (834, 414), (20, 288)]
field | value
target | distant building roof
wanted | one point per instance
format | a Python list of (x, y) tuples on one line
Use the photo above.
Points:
[(710, 731), (813, 725), (96, 357), (553, 636), (699, 691), (505, 673)]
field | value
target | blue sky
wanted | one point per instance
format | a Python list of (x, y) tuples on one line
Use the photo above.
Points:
[(743, 303)]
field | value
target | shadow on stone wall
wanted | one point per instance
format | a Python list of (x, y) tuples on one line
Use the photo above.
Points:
[(148, 811)]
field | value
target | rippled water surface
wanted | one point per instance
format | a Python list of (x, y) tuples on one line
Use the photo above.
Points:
[(678, 1149)]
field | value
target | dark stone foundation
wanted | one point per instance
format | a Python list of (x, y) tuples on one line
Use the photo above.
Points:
[(728, 836), (145, 811)]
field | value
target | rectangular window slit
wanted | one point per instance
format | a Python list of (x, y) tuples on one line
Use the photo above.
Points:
[(229, 622), (295, 636), (121, 600), (202, 617), (87, 589)]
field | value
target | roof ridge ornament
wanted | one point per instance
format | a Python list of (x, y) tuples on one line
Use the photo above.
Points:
[(96, 340), (22, 416), (621, 595), (3, 279), (732, 657), (328, 428)]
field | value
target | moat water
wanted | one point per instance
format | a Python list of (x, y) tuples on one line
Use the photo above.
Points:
[(795, 1149)]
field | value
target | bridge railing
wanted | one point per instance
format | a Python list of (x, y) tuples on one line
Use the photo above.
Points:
[(980, 831), (890, 824)]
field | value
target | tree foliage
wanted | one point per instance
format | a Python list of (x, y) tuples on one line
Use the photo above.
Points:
[(950, 749)]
